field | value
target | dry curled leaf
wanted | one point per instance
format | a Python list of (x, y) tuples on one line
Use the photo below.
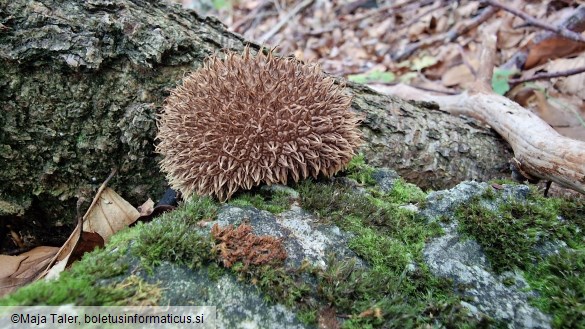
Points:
[(17, 271)]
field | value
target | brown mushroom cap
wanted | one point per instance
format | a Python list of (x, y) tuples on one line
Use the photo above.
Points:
[(246, 120)]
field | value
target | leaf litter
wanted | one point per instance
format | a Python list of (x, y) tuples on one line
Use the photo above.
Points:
[(430, 44), (107, 214)]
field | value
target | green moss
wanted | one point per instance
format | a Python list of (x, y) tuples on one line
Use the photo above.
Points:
[(509, 234), (559, 281), (398, 286), (80, 285), (508, 281), (197, 209), (215, 271), (403, 192), (504, 181), (175, 236), (307, 316), (360, 171), (274, 202)]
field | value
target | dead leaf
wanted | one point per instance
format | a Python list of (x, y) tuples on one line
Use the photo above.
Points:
[(89, 241), (571, 85), (457, 76), (109, 214), (17, 271), (157, 211), (508, 36), (146, 208), (551, 48)]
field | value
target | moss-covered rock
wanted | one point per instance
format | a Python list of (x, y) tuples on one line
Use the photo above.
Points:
[(371, 252)]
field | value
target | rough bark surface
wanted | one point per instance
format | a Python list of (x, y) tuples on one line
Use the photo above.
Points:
[(81, 82), (426, 146)]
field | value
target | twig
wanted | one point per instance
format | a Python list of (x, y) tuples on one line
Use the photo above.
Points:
[(300, 7), (544, 76), (574, 22), (423, 14), (394, 8), (253, 14), (457, 31), (487, 58), (449, 36), (100, 190), (79, 216), (533, 21), (320, 31), (445, 92), (465, 61)]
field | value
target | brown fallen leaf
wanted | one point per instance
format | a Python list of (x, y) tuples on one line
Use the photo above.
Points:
[(328, 319), (155, 212), (551, 48), (89, 241), (109, 214), (17, 271), (146, 208), (458, 75)]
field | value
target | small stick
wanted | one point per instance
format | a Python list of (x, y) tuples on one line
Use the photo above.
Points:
[(574, 22), (300, 7), (388, 7), (545, 76), (449, 36), (446, 92), (533, 21), (80, 201), (100, 190), (487, 58), (423, 14), (548, 184)]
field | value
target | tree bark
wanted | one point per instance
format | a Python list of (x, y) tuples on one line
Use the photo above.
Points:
[(81, 83)]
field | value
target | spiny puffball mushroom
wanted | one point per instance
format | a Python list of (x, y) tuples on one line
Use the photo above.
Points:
[(245, 120)]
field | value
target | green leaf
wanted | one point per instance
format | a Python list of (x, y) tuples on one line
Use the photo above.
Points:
[(407, 77), (220, 4), (372, 77), (423, 62), (500, 80)]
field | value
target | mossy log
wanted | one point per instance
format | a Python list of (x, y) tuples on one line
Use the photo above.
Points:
[(81, 83)]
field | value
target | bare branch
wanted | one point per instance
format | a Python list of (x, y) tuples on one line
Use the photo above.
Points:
[(533, 21), (545, 76), (300, 7)]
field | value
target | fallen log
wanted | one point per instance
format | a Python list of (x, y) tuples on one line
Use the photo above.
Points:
[(81, 83)]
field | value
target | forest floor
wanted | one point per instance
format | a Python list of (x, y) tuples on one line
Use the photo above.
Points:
[(433, 45)]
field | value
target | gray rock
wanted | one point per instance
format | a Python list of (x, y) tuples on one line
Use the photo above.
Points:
[(442, 203), (238, 305), (503, 297), (385, 178), (464, 262), (304, 237)]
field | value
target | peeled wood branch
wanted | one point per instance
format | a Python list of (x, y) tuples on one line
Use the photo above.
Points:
[(540, 150)]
